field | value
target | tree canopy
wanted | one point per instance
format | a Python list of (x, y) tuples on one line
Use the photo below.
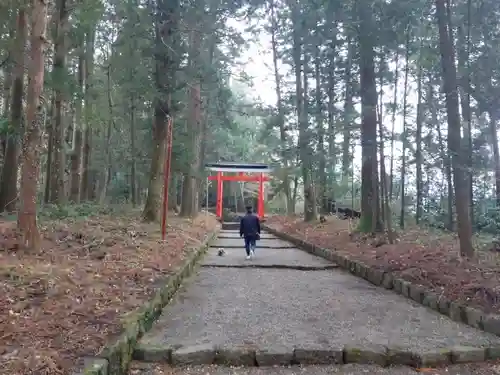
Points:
[(387, 107)]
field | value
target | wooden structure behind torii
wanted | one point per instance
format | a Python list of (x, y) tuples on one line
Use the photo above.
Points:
[(243, 170)]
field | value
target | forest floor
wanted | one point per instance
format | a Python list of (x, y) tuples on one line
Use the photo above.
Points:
[(426, 256), (63, 302)]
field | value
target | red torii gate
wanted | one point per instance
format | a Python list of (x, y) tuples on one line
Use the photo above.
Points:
[(242, 169)]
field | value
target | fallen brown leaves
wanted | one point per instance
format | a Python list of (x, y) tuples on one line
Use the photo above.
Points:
[(424, 256), (66, 300)]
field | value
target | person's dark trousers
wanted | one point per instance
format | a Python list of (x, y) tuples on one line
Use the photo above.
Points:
[(249, 243)]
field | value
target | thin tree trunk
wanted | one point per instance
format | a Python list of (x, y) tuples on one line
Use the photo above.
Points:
[(85, 185), (393, 128), (418, 154), (496, 155), (76, 152), (310, 206), (48, 168), (380, 111), (7, 88), (133, 174), (348, 114), (8, 186), (385, 207), (190, 204), (404, 134), (330, 179), (107, 146), (302, 115), (166, 64), (295, 189), (58, 75), (281, 116), (206, 86), (465, 73), (153, 199), (324, 194), (26, 220), (454, 129), (469, 115), (369, 222), (329, 155), (442, 153)]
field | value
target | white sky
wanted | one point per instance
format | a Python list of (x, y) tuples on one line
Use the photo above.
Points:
[(258, 64)]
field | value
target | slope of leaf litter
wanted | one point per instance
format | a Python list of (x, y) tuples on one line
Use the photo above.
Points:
[(425, 256), (64, 301)]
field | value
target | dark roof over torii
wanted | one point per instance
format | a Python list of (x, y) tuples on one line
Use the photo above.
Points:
[(229, 166)]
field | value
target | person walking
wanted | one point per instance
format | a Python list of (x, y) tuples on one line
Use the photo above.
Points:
[(250, 231)]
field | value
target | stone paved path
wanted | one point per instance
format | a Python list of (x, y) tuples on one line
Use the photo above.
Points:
[(270, 252), (474, 369), (298, 308)]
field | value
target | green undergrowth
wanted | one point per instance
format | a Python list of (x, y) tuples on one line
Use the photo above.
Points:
[(79, 211), (73, 211)]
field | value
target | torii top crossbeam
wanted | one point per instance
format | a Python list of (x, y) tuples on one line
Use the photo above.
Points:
[(243, 169), (238, 167)]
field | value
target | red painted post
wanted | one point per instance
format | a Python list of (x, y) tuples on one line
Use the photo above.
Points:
[(218, 210), (260, 207), (166, 178)]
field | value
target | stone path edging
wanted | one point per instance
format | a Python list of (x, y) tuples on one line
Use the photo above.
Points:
[(454, 310), (272, 266), (114, 358), (207, 354)]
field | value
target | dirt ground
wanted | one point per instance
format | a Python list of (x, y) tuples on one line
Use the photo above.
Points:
[(426, 256), (64, 301)]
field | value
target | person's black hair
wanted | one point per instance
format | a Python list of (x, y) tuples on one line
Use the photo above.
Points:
[(249, 208)]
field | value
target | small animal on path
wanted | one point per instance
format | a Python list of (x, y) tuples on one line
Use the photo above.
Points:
[(220, 252)]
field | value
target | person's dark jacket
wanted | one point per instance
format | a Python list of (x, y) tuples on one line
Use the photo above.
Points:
[(250, 226)]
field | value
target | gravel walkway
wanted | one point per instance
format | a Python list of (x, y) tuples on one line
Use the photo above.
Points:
[(269, 242), (289, 257), (310, 316), (235, 234), (150, 369)]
